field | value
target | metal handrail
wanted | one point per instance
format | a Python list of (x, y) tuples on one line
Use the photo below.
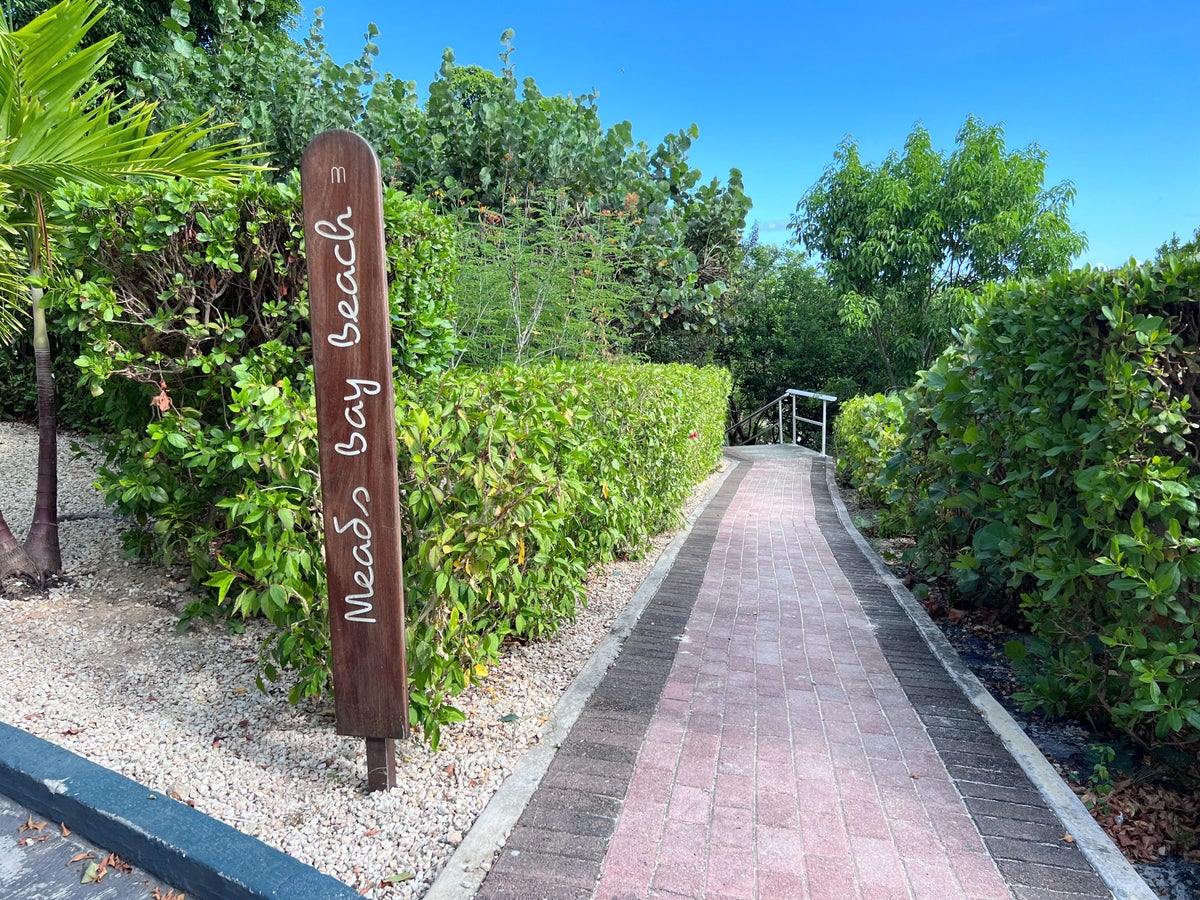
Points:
[(793, 393)]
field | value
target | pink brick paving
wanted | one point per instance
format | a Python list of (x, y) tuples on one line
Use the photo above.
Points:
[(763, 746), (784, 759)]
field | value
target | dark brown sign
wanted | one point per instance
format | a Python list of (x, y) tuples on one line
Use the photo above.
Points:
[(356, 427)]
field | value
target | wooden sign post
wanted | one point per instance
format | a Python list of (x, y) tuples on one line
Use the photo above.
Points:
[(356, 434)]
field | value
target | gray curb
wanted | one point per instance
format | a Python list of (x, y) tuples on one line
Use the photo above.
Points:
[(193, 852), (467, 868), (1116, 872)]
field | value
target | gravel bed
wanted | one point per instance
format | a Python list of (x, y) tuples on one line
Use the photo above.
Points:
[(95, 665)]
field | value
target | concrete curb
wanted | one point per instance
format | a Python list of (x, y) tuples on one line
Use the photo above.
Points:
[(466, 869), (1114, 870), (195, 853)]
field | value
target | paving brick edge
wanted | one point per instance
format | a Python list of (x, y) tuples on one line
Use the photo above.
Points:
[(1114, 870), (187, 849), (467, 868)]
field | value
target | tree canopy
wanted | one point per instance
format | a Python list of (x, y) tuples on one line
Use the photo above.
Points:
[(906, 241), (482, 141), (145, 28)]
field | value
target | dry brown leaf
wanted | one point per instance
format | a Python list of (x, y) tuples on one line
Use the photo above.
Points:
[(117, 863), (31, 825), (79, 857), (63, 829), (1068, 838), (371, 832)]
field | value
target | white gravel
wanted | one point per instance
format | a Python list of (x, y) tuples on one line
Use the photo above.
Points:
[(95, 665)]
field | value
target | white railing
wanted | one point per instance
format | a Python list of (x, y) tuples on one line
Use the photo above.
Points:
[(790, 394)]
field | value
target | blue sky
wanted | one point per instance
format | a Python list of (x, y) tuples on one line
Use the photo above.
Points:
[(1110, 90)]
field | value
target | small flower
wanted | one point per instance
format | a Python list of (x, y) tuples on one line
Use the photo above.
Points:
[(695, 434)]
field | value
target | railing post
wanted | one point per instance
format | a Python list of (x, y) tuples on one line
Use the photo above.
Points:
[(793, 419), (781, 420), (824, 406)]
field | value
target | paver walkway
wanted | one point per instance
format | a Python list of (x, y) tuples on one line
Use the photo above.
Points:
[(758, 738)]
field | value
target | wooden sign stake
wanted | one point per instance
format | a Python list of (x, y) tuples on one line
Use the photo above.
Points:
[(356, 436)]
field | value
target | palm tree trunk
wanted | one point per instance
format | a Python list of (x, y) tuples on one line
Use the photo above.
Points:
[(13, 558), (42, 543)]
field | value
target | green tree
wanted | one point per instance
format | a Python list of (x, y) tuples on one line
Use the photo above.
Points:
[(1176, 247), (276, 92), (145, 29), (785, 332), (59, 124), (904, 243), (481, 138)]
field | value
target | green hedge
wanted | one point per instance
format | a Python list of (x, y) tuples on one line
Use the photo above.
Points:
[(513, 483), (191, 306), (1051, 460), (169, 286)]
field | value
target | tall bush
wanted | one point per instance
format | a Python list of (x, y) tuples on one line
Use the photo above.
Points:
[(172, 286), (866, 433), (513, 483), (1052, 456)]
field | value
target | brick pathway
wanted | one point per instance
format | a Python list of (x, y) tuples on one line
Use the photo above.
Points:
[(755, 740)]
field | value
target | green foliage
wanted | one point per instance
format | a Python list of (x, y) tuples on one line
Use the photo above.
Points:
[(146, 31), (173, 285), (278, 93), (517, 480), (498, 141), (1052, 456), (1174, 246), (866, 433), (905, 242), (513, 483), (785, 333), (539, 280), (481, 139)]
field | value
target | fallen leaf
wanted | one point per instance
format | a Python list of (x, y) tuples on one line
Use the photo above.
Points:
[(511, 717), (449, 770), (395, 878), (92, 874), (31, 825), (79, 857), (63, 829), (71, 732), (371, 832), (1068, 838), (117, 863)]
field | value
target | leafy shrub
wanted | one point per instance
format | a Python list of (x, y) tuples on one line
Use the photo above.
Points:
[(539, 279), (787, 334), (866, 433), (1052, 456), (513, 483), (172, 285)]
